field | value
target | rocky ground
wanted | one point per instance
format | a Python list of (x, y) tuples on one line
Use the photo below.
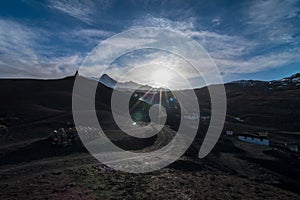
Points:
[(235, 174)]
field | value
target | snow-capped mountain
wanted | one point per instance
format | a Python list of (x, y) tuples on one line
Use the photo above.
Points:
[(291, 82), (111, 83)]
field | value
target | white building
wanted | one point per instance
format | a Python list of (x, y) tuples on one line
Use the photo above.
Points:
[(238, 119), (229, 132), (254, 139), (293, 147), (296, 80)]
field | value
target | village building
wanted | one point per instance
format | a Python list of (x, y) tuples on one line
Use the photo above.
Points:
[(64, 137), (229, 132), (293, 147), (255, 138), (238, 119)]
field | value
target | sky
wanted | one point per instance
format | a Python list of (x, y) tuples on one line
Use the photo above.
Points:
[(246, 39)]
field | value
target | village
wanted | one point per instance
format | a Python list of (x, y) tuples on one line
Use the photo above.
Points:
[(64, 137), (263, 138)]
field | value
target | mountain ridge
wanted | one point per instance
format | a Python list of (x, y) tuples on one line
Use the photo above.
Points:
[(293, 79)]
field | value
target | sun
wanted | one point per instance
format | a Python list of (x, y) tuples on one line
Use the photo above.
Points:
[(161, 77)]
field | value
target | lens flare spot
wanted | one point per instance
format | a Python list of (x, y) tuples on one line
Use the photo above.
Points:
[(137, 116)]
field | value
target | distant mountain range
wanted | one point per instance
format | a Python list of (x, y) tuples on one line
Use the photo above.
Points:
[(291, 82), (273, 104), (284, 83), (259, 103), (111, 83)]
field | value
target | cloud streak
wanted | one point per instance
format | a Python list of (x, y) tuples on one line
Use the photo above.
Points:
[(235, 54), (82, 10), (20, 54), (273, 20)]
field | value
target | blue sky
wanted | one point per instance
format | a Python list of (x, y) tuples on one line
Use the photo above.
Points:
[(246, 39)]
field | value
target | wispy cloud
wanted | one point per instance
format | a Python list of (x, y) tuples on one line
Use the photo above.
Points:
[(273, 19), (259, 63), (17, 42), (236, 53), (20, 54), (270, 12), (60, 66), (151, 21), (89, 37), (83, 10)]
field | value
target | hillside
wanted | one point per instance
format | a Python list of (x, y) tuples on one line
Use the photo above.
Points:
[(48, 103), (31, 109)]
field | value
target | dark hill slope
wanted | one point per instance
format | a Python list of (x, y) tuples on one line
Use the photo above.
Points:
[(31, 108)]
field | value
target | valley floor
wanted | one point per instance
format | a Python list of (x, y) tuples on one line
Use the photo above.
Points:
[(222, 175)]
